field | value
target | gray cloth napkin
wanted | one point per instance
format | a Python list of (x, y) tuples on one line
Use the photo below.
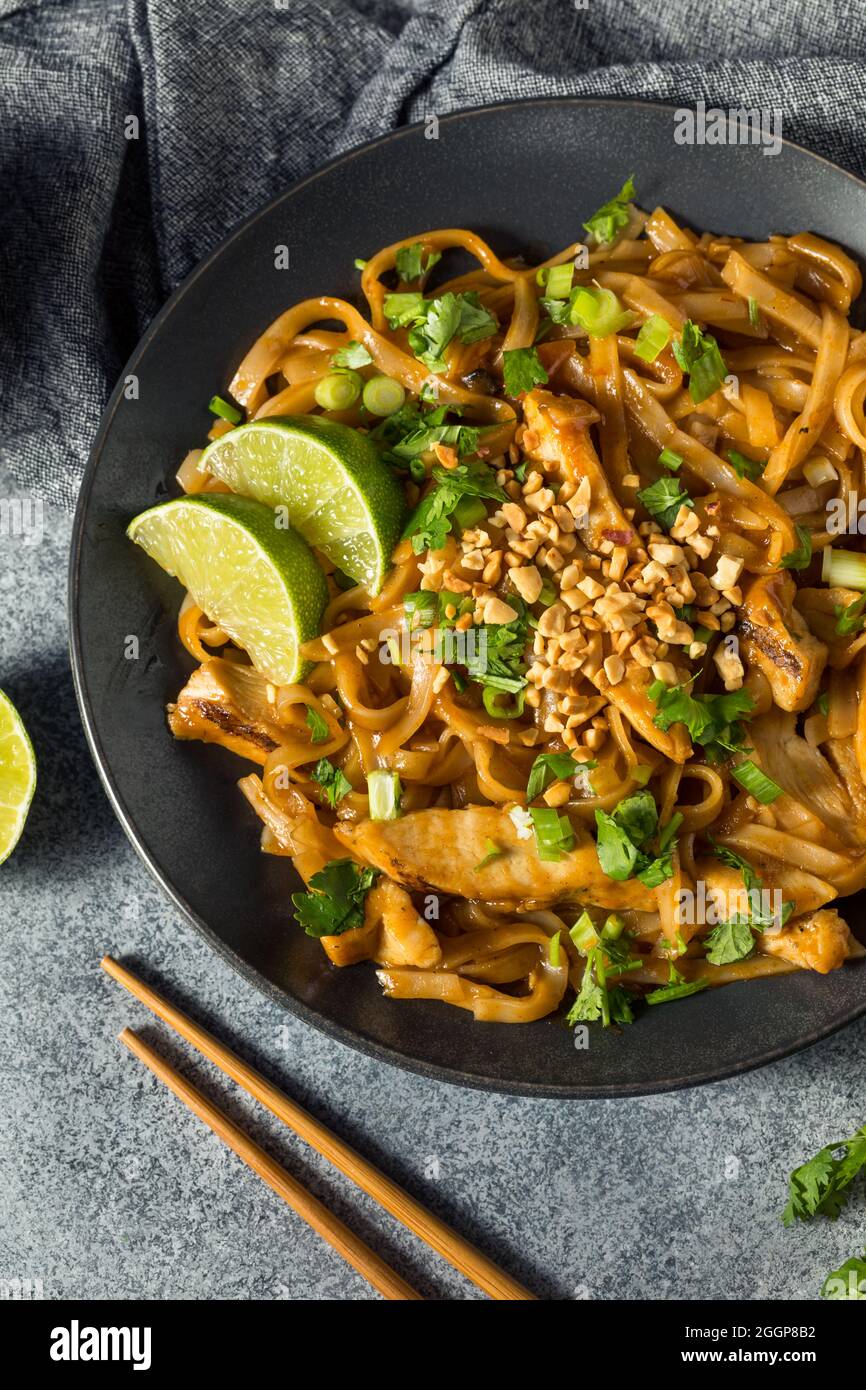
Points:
[(236, 99)]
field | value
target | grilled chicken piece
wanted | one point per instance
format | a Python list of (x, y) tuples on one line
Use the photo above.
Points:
[(223, 702), (635, 705), (821, 942), (775, 638), (557, 436), (440, 849)]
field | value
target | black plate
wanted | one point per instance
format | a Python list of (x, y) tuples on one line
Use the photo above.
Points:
[(524, 175)]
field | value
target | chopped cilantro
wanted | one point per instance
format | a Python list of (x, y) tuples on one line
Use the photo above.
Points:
[(412, 262), (800, 557), (319, 731), (522, 369), (612, 216), (430, 522), (336, 903), (713, 721), (663, 500), (822, 1185), (353, 355), (332, 780), (698, 354)]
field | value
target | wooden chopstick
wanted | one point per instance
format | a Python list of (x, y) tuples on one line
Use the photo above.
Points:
[(315, 1213), (459, 1252)]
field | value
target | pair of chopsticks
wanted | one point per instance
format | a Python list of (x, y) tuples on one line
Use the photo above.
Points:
[(452, 1247)]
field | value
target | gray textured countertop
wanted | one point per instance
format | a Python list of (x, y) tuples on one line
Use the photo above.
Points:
[(108, 1188)]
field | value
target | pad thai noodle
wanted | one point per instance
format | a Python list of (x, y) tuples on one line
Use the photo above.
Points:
[(594, 731)]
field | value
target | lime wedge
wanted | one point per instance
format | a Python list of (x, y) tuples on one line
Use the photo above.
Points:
[(258, 582), (330, 478), (17, 776)]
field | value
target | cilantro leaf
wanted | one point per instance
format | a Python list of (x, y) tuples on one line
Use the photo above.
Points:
[(697, 353), (547, 768), (433, 323), (430, 522), (336, 903), (713, 721), (594, 1000), (522, 369), (411, 262), (617, 855), (730, 941), (319, 731), (848, 1281), (663, 500), (622, 838), (821, 1186), (800, 557), (353, 355), (497, 659), (745, 467), (612, 216), (332, 780), (850, 620)]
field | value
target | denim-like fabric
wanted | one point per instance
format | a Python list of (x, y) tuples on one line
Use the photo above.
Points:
[(236, 99)]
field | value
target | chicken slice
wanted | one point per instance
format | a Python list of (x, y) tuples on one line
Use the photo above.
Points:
[(776, 639), (557, 436), (821, 942), (442, 849), (223, 702), (392, 933)]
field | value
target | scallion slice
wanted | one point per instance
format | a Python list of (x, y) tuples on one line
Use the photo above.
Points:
[(559, 279), (553, 950), (554, 835), (754, 312), (844, 569), (226, 411), (670, 460), (756, 782), (385, 792), (338, 390), (653, 338), (584, 934), (599, 312), (383, 395)]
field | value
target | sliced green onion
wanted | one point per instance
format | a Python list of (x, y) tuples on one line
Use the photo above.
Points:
[(653, 338), (823, 703), (756, 782), (669, 459), (599, 312), (844, 569), (217, 406), (554, 835), (641, 774), (513, 711), (469, 512), (754, 312), (541, 275), (553, 950), (493, 852), (338, 390), (702, 634), (547, 595), (559, 281), (383, 395), (613, 927), (584, 934), (385, 792), (421, 608), (359, 263)]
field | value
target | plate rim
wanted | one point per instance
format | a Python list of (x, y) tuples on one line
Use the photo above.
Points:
[(378, 1051)]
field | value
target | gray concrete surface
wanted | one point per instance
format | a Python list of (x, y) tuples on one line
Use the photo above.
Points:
[(108, 1188)]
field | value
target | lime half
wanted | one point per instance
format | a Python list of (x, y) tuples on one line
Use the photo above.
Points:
[(258, 582), (17, 776), (330, 478)]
